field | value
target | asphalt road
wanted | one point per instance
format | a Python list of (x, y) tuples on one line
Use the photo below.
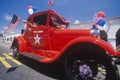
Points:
[(25, 68)]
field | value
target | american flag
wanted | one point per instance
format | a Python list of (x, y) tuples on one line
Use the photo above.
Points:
[(14, 22), (50, 2)]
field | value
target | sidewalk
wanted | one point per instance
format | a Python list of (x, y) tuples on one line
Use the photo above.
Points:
[(5, 44)]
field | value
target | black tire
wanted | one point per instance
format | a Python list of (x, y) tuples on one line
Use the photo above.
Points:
[(103, 35), (16, 54), (91, 67)]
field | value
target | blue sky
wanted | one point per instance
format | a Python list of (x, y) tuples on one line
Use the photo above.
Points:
[(82, 10)]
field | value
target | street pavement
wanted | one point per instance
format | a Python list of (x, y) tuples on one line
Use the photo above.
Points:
[(25, 68)]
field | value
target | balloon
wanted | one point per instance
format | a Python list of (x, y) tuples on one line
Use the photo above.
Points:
[(100, 14), (34, 9), (101, 22), (29, 7), (30, 11)]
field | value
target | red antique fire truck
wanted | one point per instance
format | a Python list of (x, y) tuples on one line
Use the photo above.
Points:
[(84, 55)]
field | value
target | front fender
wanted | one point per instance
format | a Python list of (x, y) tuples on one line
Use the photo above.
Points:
[(22, 47), (95, 41)]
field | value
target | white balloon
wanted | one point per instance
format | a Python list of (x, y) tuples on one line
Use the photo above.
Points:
[(30, 11)]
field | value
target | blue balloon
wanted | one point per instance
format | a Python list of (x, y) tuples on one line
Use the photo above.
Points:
[(34, 9), (101, 22)]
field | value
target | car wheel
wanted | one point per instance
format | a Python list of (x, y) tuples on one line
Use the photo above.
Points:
[(91, 69), (16, 54)]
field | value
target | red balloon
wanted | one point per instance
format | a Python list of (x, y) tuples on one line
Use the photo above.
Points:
[(100, 14), (29, 7)]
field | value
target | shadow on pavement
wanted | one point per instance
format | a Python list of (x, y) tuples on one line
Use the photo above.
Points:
[(11, 69), (51, 70)]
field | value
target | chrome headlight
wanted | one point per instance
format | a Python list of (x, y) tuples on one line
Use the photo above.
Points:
[(94, 32)]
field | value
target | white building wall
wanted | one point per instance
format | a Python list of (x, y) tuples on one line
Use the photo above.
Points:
[(10, 37)]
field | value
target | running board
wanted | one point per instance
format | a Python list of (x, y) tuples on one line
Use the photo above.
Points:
[(32, 56)]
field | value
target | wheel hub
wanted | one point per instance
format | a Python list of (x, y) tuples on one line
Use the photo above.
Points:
[(88, 70), (85, 71), (15, 50)]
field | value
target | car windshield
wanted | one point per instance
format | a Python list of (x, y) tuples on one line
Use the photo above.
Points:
[(56, 21)]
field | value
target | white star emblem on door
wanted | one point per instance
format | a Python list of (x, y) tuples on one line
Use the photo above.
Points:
[(37, 39)]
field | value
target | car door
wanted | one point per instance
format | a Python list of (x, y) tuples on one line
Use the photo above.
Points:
[(39, 33)]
